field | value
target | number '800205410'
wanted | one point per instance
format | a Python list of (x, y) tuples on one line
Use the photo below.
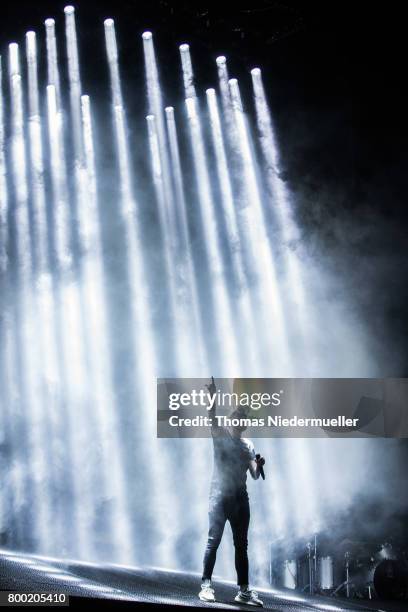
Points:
[(36, 598)]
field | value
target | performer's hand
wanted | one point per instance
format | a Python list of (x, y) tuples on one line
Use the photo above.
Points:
[(211, 387), (260, 461)]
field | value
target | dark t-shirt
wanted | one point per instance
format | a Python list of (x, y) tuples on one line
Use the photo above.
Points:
[(231, 462)]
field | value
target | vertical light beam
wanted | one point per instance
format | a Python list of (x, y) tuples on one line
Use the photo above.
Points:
[(224, 331), (74, 79), (282, 208), (43, 289), (143, 334), (223, 79), (28, 338), (3, 184), (105, 421), (187, 262), (188, 75), (70, 334), (52, 59), (155, 100), (259, 251), (244, 314)]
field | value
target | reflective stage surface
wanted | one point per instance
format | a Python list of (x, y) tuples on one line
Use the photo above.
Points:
[(27, 573)]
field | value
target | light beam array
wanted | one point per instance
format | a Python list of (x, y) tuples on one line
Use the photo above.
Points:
[(113, 274)]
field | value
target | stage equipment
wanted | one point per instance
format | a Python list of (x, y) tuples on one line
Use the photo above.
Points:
[(390, 579), (387, 551), (373, 577), (326, 573), (312, 565)]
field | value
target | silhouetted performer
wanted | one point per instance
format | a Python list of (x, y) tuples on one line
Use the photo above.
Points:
[(233, 456)]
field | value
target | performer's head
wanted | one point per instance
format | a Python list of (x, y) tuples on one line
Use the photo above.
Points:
[(240, 412)]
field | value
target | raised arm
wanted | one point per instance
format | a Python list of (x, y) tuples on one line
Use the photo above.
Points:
[(212, 389), (216, 430)]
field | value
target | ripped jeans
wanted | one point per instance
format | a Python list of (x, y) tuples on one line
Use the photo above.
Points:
[(235, 509)]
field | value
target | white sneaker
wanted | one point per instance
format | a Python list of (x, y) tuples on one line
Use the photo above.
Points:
[(248, 597), (207, 592)]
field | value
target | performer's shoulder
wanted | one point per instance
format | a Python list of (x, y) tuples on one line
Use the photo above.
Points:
[(248, 442)]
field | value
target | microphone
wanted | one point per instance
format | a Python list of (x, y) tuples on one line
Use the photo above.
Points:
[(261, 470)]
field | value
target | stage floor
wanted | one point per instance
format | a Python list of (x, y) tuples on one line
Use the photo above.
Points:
[(28, 573)]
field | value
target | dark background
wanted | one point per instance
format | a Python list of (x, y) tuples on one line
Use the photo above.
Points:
[(334, 75)]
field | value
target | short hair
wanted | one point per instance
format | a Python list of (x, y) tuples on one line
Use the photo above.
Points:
[(239, 412)]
